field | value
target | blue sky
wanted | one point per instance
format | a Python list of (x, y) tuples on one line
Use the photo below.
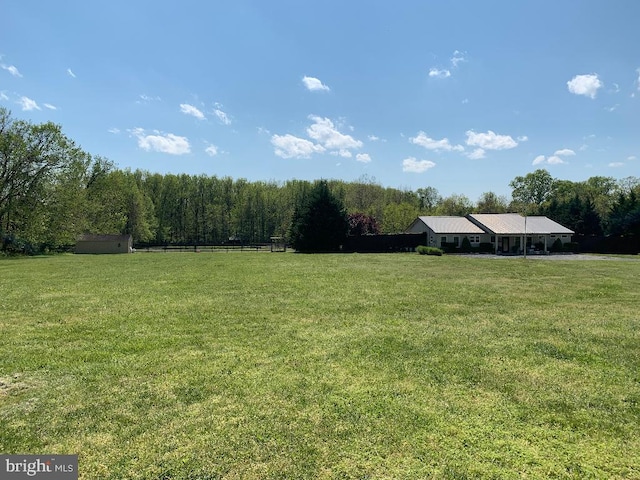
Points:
[(462, 96)]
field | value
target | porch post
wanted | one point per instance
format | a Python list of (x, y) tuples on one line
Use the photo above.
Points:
[(524, 244)]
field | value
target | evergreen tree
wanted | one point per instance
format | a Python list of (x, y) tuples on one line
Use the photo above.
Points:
[(591, 222), (624, 218), (319, 223)]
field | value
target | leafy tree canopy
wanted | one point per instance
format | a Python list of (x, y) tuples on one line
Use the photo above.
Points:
[(362, 224), (533, 189)]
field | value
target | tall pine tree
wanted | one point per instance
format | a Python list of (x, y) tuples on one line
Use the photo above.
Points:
[(319, 222)]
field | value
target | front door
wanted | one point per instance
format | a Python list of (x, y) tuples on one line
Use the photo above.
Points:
[(505, 244)]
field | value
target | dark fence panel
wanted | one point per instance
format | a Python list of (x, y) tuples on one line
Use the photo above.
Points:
[(401, 242), (600, 244)]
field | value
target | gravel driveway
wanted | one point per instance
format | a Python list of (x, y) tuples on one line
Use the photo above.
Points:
[(573, 256)]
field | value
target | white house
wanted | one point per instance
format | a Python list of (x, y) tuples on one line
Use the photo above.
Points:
[(506, 232), (509, 230)]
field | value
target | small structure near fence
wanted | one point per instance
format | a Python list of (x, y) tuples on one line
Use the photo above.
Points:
[(278, 244), (104, 244)]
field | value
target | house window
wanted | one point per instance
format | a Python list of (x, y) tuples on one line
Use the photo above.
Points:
[(493, 238), (443, 240), (474, 239), (456, 241)]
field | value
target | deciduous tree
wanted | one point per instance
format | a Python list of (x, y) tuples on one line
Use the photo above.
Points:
[(532, 190)]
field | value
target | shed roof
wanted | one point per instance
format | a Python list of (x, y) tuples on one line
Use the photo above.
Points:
[(514, 224), (88, 237), (450, 225)]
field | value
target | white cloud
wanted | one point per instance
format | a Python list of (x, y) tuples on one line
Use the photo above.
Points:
[(425, 141), (222, 116), (314, 85), (327, 138), (437, 73), (11, 69), (416, 166), (211, 150), (555, 160), (631, 157), (191, 110), (146, 98), (458, 57), (3, 96), (324, 132), (114, 130), (363, 157), (613, 108), (565, 152), (638, 79), (586, 85), (477, 154), (28, 104), (50, 107), (289, 146), (616, 164), (70, 73), (373, 138), (523, 138), (163, 143), (490, 140), (343, 153)]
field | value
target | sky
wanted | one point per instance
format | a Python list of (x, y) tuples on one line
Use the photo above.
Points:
[(462, 96)]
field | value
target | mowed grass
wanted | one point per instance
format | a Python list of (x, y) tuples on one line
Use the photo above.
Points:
[(258, 365)]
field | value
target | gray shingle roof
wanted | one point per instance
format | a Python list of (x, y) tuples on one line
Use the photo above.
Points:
[(88, 237), (450, 225), (514, 224)]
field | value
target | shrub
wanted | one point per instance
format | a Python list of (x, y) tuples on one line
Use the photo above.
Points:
[(557, 246), (572, 247), (486, 247), (465, 247), (423, 250), (449, 247)]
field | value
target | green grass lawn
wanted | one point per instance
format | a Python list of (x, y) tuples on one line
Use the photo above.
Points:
[(258, 365)]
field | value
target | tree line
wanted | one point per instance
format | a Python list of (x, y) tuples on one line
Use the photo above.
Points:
[(51, 191)]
